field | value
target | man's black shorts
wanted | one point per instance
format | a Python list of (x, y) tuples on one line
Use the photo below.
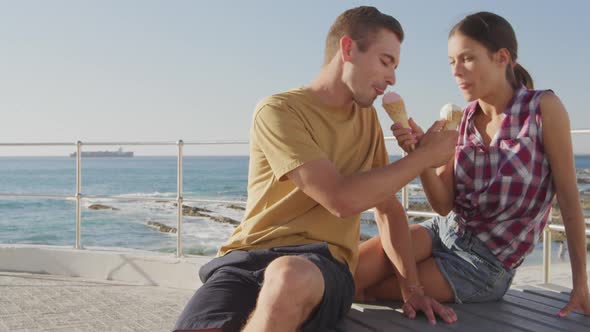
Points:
[(231, 284)]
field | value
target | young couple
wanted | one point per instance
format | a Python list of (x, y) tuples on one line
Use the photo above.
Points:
[(318, 159)]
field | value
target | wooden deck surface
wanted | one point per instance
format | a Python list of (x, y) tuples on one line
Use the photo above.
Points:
[(526, 309)]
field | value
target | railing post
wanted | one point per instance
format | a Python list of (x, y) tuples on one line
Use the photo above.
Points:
[(179, 200), (405, 202), (78, 197), (547, 251)]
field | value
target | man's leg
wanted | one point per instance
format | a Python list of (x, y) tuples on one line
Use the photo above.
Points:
[(293, 287), (374, 266), (226, 298)]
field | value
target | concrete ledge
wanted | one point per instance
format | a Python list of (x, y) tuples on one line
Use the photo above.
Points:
[(127, 265)]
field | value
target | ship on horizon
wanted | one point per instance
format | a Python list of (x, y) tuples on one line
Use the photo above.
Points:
[(102, 154)]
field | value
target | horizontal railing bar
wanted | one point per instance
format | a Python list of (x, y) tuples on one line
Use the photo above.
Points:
[(421, 213), (48, 196), (163, 199), (554, 227), (165, 143), (413, 213), (166, 199), (119, 198), (129, 198), (561, 229), (217, 143), (239, 142), (39, 144), (196, 200), (129, 143)]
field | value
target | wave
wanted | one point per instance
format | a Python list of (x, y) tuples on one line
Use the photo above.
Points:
[(149, 195)]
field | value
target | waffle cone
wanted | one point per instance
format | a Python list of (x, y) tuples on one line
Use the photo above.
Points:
[(397, 113), (453, 120)]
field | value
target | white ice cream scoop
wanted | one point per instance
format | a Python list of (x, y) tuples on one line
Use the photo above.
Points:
[(453, 114)]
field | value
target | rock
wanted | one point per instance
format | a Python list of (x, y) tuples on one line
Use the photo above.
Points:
[(187, 207), (236, 207), (161, 227), (225, 220), (101, 207), (194, 211), (191, 211)]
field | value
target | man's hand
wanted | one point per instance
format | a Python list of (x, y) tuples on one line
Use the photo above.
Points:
[(440, 144), (420, 302)]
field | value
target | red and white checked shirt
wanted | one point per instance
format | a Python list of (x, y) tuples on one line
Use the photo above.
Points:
[(503, 193)]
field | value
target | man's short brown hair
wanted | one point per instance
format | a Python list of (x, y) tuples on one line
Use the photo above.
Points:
[(361, 24)]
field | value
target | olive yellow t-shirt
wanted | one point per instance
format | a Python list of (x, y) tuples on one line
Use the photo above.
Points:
[(288, 130)]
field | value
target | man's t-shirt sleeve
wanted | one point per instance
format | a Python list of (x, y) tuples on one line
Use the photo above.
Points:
[(284, 139)]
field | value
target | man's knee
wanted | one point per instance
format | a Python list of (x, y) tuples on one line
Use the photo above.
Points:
[(292, 279)]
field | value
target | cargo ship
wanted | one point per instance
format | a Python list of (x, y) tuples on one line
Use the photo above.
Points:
[(102, 154)]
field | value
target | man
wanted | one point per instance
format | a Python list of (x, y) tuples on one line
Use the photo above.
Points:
[(317, 160)]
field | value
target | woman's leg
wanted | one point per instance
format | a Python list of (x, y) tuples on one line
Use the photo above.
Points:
[(375, 267), (434, 282)]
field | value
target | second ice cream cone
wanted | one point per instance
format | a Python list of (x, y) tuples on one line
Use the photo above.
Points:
[(453, 114)]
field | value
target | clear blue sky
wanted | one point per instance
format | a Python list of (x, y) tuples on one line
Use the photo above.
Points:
[(166, 70)]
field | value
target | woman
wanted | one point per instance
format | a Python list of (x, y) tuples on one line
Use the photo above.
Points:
[(514, 153)]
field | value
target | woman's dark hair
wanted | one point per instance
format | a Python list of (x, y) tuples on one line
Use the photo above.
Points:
[(495, 33)]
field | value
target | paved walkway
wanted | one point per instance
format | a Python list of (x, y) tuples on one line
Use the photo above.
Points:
[(31, 302)]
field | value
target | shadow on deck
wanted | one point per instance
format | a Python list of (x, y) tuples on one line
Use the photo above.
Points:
[(525, 309)]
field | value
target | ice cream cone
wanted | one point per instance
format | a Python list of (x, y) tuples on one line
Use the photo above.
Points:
[(397, 113), (453, 114), (396, 109)]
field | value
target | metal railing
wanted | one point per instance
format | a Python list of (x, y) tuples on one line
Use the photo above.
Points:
[(180, 144), (78, 196)]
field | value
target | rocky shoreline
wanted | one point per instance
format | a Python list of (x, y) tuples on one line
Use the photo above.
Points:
[(424, 206)]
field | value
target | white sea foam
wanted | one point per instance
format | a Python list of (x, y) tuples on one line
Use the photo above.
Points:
[(201, 232)]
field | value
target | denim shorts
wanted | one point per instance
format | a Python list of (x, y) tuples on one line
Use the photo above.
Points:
[(474, 273), (231, 284)]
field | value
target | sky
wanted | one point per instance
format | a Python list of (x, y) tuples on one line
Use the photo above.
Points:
[(113, 70)]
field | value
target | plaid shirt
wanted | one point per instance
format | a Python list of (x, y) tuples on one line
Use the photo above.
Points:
[(503, 193)]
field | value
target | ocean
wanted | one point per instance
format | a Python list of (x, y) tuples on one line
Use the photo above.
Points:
[(52, 221)]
